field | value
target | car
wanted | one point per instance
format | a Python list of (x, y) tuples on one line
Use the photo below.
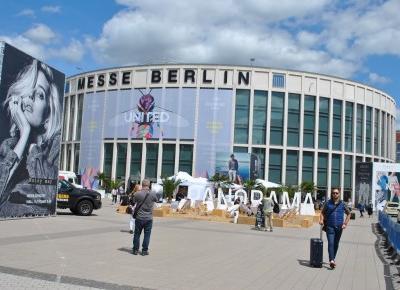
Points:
[(391, 208), (80, 201)]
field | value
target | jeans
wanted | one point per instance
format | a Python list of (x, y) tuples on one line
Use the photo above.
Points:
[(146, 226), (269, 220), (333, 235), (232, 175)]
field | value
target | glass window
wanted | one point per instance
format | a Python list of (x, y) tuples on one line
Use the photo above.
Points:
[(322, 169), (136, 161), (275, 165), (360, 128), (108, 156), (71, 117), (277, 109), (337, 125), (293, 124), (309, 121), (348, 169), (242, 116), (151, 160), (121, 160), (66, 109), (260, 152), (186, 158), (239, 149), (66, 90), (79, 120), (61, 165), (168, 160), (376, 132), (348, 135), (308, 166), (323, 130), (383, 136), (278, 80), (335, 176), (292, 167), (260, 116), (76, 158), (368, 137), (69, 156)]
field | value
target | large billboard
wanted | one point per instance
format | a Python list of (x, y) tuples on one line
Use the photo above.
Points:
[(30, 114), (386, 186), (238, 167), (363, 192)]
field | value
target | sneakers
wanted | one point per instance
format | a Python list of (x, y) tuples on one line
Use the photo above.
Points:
[(135, 252), (131, 232), (332, 264), (145, 253)]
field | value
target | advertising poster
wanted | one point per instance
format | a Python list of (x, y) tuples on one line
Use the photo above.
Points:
[(214, 129), (386, 186), (363, 190), (238, 167), (31, 107)]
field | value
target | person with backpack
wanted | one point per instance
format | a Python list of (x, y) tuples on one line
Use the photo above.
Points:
[(332, 219)]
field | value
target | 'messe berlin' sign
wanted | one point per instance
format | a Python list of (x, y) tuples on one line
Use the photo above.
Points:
[(189, 77)]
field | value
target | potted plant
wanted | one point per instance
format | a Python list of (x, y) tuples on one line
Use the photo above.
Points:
[(169, 186)]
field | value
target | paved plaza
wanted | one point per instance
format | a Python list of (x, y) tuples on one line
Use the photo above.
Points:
[(72, 252)]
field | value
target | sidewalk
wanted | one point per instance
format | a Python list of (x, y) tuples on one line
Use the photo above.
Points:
[(70, 251)]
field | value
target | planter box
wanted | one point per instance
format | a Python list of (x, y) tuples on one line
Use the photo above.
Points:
[(246, 220), (218, 212)]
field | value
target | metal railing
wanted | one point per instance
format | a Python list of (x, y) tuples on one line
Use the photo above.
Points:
[(392, 230)]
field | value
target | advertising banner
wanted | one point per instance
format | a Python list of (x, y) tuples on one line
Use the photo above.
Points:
[(214, 132), (363, 190), (30, 114), (238, 166), (385, 183)]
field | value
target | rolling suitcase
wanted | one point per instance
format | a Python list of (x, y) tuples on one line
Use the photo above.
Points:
[(316, 251)]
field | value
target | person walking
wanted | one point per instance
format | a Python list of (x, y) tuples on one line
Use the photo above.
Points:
[(268, 207), (114, 195), (144, 200), (332, 217), (361, 208)]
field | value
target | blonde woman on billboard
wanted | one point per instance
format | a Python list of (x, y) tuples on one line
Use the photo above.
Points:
[(30, 155)]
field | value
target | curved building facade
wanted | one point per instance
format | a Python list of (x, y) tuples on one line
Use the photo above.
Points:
[(155, 120)]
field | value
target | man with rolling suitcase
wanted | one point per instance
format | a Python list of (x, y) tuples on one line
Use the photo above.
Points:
[(333, 222)]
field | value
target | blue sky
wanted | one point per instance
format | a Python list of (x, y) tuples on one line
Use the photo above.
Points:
[(354, 39)]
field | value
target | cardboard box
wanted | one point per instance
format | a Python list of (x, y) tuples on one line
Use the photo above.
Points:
[(219, 213), (122, 209)]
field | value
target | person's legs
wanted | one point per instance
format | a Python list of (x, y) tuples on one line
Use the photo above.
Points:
[(230, 174), (330, 236), (147, 232), (269, 221), (338, 234), (136, 236), (131, 224)]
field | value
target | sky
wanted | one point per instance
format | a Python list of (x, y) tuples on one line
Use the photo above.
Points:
[(354, 39)]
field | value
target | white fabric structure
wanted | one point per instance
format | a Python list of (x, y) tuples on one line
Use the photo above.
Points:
[(267, 184), (307, 207)]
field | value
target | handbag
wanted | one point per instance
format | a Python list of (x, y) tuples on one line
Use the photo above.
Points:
[(325, 218), (135, 212)]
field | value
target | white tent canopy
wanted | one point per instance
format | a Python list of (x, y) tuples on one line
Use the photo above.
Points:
[(267, 184)]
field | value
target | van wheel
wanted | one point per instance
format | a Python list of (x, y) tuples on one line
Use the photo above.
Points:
[(84, 207)]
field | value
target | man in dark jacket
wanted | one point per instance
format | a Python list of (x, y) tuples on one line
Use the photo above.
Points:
[(332, 216), (144, 200)]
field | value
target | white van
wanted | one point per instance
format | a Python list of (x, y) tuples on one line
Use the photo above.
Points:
[(69, 176)]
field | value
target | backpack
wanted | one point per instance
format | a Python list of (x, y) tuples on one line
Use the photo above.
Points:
[(276, 208)]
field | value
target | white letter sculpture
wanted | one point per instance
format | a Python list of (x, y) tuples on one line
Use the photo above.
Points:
[(285, 201), (307, 207), (221, 200), (208, 199), (254, 201), (296, 201), (242, 194), (273, 196)]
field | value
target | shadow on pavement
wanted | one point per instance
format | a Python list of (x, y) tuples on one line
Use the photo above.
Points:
[(126, 250), (306, 263), (70, 213)]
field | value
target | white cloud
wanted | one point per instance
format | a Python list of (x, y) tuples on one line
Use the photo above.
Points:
[(377, 79), (26, 12), (51, 9), (40, 33), (41, 42), (72, 53)]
